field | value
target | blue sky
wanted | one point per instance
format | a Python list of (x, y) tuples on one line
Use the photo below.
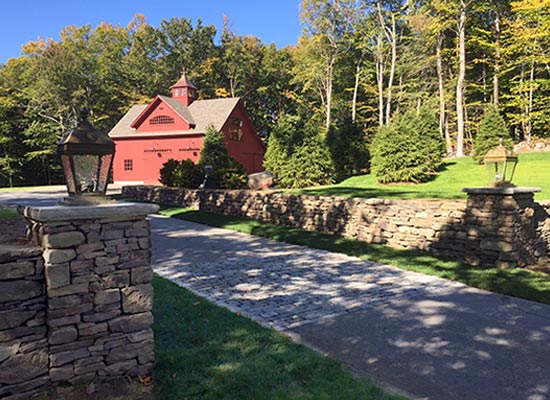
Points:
[(25, 20)]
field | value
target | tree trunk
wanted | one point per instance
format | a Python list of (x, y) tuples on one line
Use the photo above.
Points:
[(460, 80), (529, 124), (356, 88), (497, 58), (393, 42), (442, 106), (380, 80)]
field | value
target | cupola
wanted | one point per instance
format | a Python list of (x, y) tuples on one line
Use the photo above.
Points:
[(184, 90)]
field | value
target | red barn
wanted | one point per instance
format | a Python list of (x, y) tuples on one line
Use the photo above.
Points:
[(174, 127)]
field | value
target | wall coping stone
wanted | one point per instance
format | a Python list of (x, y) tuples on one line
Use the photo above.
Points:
[(501, 190), (67, 213)]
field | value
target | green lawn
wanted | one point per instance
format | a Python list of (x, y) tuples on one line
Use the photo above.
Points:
[(6, 213), (515, 282), (532, 170), (207, 352)]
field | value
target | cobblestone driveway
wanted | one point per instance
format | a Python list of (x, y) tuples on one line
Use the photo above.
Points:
[(279, 285)]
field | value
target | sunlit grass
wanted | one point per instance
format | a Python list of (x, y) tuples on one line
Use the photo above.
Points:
[(207, 352), (532, 170)]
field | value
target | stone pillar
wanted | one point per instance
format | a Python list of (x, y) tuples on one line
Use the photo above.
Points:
[(99, 290), (505, 226)]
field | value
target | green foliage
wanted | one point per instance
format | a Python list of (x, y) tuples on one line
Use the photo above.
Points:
[(183, 174), (310, 165), (409, 149), (296, 156), (491, 130), (227, 173), (168, 172), (348, 148)]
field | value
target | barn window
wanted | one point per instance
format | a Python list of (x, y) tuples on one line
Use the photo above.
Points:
[(236, 134), (161, 120), (128, 165)]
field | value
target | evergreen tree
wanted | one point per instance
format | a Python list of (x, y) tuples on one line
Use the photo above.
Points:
[(348, 149), (227, 173), (409, 149), (491, 130)]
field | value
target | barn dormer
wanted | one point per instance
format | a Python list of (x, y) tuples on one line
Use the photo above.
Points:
[(183, 90)]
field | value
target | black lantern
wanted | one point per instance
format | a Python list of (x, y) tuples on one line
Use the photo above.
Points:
[(86, 156), (501, 165)]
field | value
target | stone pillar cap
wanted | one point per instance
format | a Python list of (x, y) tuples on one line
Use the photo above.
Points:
[(65, 213), (501, 190)]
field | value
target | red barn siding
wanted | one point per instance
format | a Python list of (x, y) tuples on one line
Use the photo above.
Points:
[(163, 110), (149, 154), (249, 151)]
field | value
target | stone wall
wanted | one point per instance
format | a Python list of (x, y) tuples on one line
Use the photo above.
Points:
[(78, 305), (23, 334), (509, 230)]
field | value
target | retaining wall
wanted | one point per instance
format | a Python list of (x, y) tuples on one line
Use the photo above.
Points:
[(503, 230)]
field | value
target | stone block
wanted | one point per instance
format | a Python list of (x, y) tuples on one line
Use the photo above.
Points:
[(13, 318), (141, 275), (65, 357), (62, 335), (63, 240), (118, 279), (20, 290), (81, 265), (131, 323), (108, 260), (86, 369), (69, 289), (61, 374), (24, 367), (107, 296), (137, 299), (16, 270), (120, 368), (8, 350), (110, 234), (101, 316), (89, 248), (57, 275), (90, 329), (70, 311), (58, 256), (69, 320)]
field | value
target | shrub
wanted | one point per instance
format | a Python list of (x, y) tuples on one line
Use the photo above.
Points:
[(310, 165), (296, 156), (348, 149), (181, 174), (227, 173), (409, 149), (167, 172), (491, 130)]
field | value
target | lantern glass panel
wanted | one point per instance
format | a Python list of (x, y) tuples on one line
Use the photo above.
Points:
[(67, 169), (104, 169), (85, 168)]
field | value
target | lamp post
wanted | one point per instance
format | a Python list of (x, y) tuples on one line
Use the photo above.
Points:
[(86, 157), (501, 165)]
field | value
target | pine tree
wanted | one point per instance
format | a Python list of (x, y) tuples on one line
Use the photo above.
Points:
[(491, 130)]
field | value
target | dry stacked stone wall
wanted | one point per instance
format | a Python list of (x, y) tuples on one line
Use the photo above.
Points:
[(23, 334), (507, 230), (77, 306)]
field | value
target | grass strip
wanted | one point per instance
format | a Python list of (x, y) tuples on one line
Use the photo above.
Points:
[(207, 352), (514, 282), (6, 213)]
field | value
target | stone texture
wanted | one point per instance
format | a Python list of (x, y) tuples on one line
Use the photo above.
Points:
[(57, 275), (58, 256), (63, 240), (491, 227), (20, 290), (62, 335), (65, 318), (137, 299), (24, 367)]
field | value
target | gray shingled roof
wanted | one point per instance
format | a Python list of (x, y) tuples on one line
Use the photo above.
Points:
[(202, 112)]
